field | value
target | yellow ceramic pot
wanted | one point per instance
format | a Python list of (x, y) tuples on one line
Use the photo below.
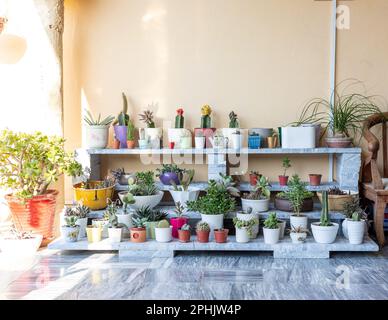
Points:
[(95, 199), (94, 234)]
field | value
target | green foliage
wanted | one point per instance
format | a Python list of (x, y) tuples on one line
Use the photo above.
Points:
[(246, 224), (325, 216), (286, 164), (272, 221), (127, 200), (131, 130), (143, 185), (229, 185), (123, 117), (150, 215), (233, 120), (261, 190), (352, 210), (139, 222), (179, 209), (185, 179), (89, 119), (164, 224), (203, 226), (29, 163), (169, 168), (70, 221)]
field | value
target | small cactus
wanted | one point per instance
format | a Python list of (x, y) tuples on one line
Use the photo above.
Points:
[(186, 227), (179, 119), (325, 216), (203, 226), (163, 224), (206, 119)]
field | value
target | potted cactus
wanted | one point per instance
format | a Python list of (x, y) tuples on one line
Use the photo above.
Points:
[(325, 231), (203, 232), (151, 217), (234, 125), (70, 230), (163, 232), (244, 229), (182, 192), (94, 233), (184, 233), (258, 199), (177, 134), (97, 130), (221, 235), (152, 134), (121, 123), (298, 235), (131, 134), (206, 125), (179, 220), (138, 231), (271, 229), (283, 179)]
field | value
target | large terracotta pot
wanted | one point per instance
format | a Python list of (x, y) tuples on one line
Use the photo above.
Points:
[(285, 205), (36, 214)]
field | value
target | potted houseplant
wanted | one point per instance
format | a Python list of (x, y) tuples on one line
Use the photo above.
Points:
[(121, 123), (325, 231), (354, 213), (94, 233), (271, 229), (168, 173), (221, 235), (298, 136), (151, 217), (152, 134), (248, 215), (338, 198), (272, 141), (122, 177), (29, 164), (70, 229), (131, 134), (179, 220), (283, 179), (234, 125), (356, 227), (115, 229), (315, 179), (163, 232), (97, 131), (264, 133), (81, 212), (203, 232), (298, 235), (199, 140), (144, 191), (183, 192), (258, 198), (138, 231), (206, 125), (174, 134), (244, 229), (184, 233), (253, 177), (20, 243), (254, 141), (125, 216)]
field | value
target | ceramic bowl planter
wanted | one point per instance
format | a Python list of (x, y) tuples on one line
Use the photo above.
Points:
[(94, 234), (285, 205), (184, 236), (121, 135), (338, 142), (221, 235), (70, 234), (256, 205), (336, 202), (271, 236), (324, 235), (298, 137), (315, 179), (184, 196), (95, 199), (20, 247), (298, 221), (166, 178), (97, 137), (176, 224), (355, 231), (298, 237), (115, 235), (163, 235), (138, 235), (203, 236), (143, 201)]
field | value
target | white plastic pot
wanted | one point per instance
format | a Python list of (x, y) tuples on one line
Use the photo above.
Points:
[(96, 137), (215, 221), (23, 247), (103, 224), (163, 234), (271, 236), (248, 217), (300, 221), (298, 238), (200, 143), (356, 231), (236, 141), (324, 235), (70, 234), (282, 227), (242, 235), (82, 223), (298, 137), (143, 201), (174, 135), (183, 196), (256, 205), (115, 235)]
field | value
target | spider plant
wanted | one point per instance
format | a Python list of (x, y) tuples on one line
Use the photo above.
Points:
[(89, 119)]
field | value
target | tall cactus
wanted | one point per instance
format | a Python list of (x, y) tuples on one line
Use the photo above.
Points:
[(325, 216), (179, 119), (123, 117)]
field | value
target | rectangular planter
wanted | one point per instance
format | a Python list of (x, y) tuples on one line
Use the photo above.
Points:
[(298, 137)]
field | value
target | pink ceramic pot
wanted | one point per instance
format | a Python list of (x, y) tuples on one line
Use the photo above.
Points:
[(176, 224)]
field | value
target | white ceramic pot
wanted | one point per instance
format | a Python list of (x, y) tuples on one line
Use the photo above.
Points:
[(236, 141), (186, 142), (115, 235), (296, 222), (154, 136), (256, 205), (24, 247), (271, 236), (200, 143), (282, 227), (298, 238), (248, 217), (82, 223), (242, 235), (143, 201), (125, 219), (103, 224), (318, 130), (345, 228), (174, 135), (298, 137), (324, 235), (163, 234), (70, 234), (356, 231), (215, 221), (183, 196), (96, 137)]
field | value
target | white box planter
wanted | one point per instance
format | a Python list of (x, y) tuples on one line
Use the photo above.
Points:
[(298, 137), (143, 201), (163, 234)]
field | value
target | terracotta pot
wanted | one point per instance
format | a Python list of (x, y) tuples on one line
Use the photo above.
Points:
[(203, 236), (184, 235), (272, 142), (116, 144), (130, 144), (338, 142), (138, 235), (315, 179), (36, 214), (285, 205), (283, 181), (253, 178), (221, 236)]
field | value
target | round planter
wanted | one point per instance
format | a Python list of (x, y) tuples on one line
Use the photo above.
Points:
[(143, 201), (95, 199), (154, 136), (23, 247), (324, 235), (97, 137), (130, 144), (200, 143), (82, 223), (285, 205), (297, 222), (264, 133), (247, 217), (115, 235), (36, 214), (167, 177), (215, 221), (183, 196), (282, 227), (221, 236), (336, 202), (121, 135), (203, 236), (163, 234), (176, 224), (338, 142), (298, 238), (242, 235), (256, 205), (138, 235), (356, 231), (315, 179), (94, 234), (150, 229), (271, 236), (103, 224), (184, 236), (283, 181)]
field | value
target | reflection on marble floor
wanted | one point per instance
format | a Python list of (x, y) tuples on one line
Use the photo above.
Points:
[(76, 275)]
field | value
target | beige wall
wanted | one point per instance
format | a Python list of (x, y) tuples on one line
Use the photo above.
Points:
[(263, 59)]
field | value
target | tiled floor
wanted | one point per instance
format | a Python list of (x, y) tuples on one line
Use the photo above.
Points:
[(76, 275)]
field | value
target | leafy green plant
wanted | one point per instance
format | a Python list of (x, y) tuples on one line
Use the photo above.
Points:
[(325, 216), (246, 224), (71, 221), (143, 184), (203, 226), (185, 179), (89, 119), (29, 163), (260, 191), (272, 221), (353, 211), (179, 210), (123, 117), (229, 185), (233, 120), (286, 164)]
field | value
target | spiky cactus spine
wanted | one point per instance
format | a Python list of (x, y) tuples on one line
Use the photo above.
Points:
[(325, 218)]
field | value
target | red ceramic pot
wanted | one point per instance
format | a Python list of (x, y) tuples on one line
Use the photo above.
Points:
[(171, 145), (283, 181), (253, 179), (315, 179), (184, 235), (221, 235), (203, 236), (176, 224)]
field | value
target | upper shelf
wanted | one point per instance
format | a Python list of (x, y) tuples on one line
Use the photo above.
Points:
[(222, 151)]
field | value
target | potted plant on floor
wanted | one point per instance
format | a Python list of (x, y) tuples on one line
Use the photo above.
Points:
[(244, 229), (179, 220), (163, 232), (283, 179), (82, 212), (315, 179), (19, 243), (221, 235), (97, 131), (183, 192), (338, 198), (325, 231), (184, 233), (253, 177), (298, 235), (138, 231), (203, 232), (169, 173), (29, 164), (152, 217), (94, 233), (121, 123), (152, 134), (271, 229), (258, 198), (206, 125)]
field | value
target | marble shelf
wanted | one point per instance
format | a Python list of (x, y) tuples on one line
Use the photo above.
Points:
[(284, 249)]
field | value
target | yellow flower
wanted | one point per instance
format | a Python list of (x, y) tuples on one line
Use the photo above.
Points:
[(206, 110)]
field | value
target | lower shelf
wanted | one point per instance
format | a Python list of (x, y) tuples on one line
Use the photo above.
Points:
[(284, 249)]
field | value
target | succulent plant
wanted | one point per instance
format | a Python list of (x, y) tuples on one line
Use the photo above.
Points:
[(179, 209), (203, 226), (185, 227), (70, 221), (148, 118), (130, 130), (69, 211), (272, 221), (325, 216), (81, 211), (89, 119), (233, 120), (164, 224), (185, 178), (139, 222), (123, 117), (150, 214), (260, 191), (179, 119)]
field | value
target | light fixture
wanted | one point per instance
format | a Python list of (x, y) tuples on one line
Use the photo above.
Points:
[(12, 47)]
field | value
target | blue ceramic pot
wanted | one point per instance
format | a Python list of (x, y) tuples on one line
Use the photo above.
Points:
[(254, 142)]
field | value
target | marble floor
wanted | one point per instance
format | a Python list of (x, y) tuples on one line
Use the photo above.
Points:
[(76, 275)]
